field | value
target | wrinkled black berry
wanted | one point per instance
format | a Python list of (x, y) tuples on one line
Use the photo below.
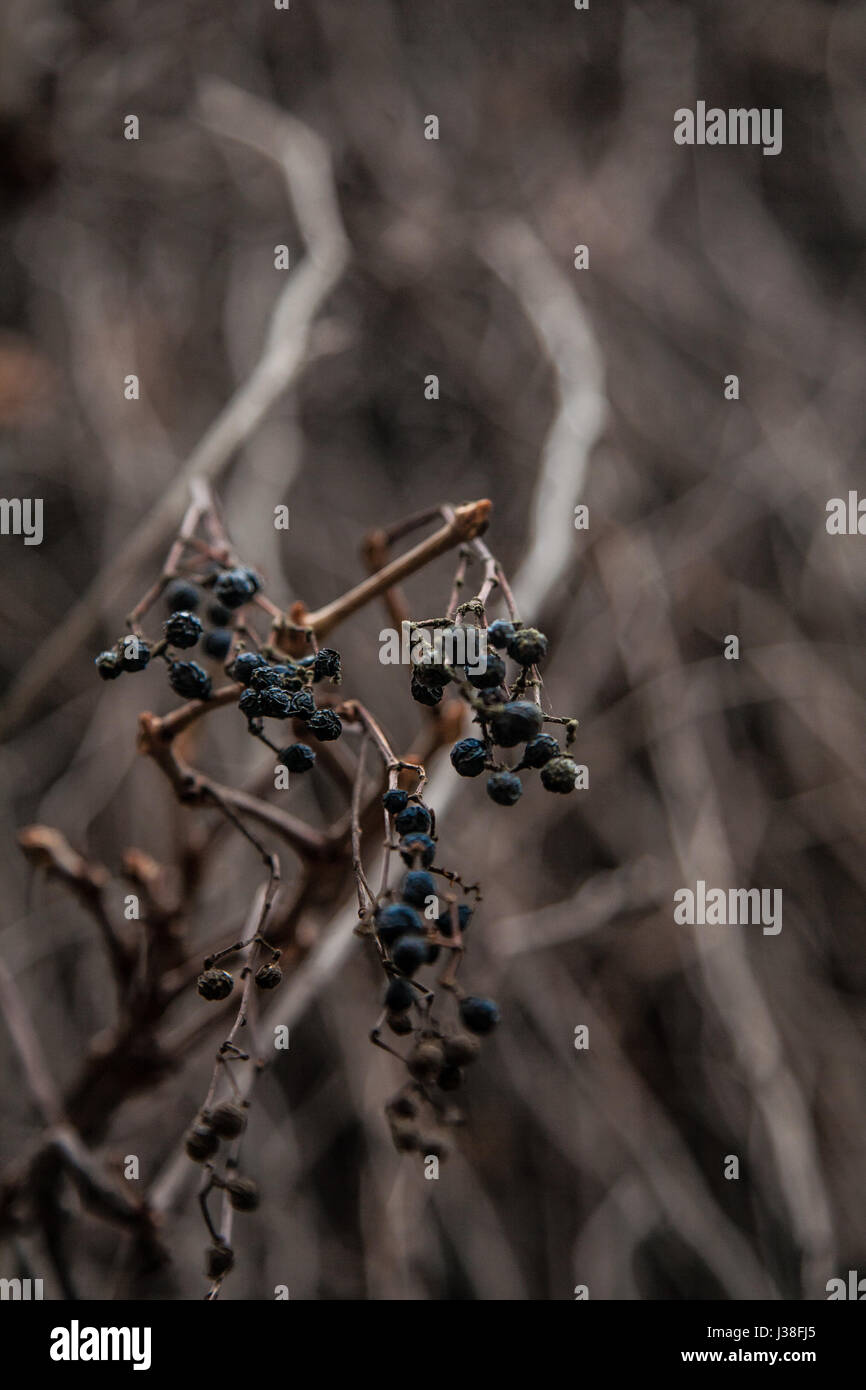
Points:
[(298, 757), (327, 665), (108, 665), (250, 703), (413, 818), (558, 775), (303, 705), (519, 722), (268, 976), (235, 588), (264, 676), (183, 629), (468, 757), (325, 725), (499, 634), (394, 800), (187, 679), (275, 702), (540, 751), (425, 694), (491, 676), (528, 646), (479, 1015), (504, 788), (244, 665), (215, 984), (134, 653)]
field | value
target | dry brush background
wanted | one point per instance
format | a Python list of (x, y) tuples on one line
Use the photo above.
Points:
[(707, 518)]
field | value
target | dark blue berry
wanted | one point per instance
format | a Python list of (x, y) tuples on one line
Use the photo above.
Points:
[(181, 595), (297, 757), (183, 629), (218, 643), (413, 818), (263, 676), (134, 653), (187, 679), (418, 847), (399, 996), (479, 1015), (409, 953), (244, 665), (492, 675), (558, 775), (499, 634), (446, 926), (504, 788), (303, 705), (327, 665), (274, 702), (428, 670), (396, 919), (325, 725), (108, 665), (235, 587), (528, 646), (417, 887), (250, 703), (540, 751), (468, 757), (217, 614), (394, 800), (425, 694), (519, 722)]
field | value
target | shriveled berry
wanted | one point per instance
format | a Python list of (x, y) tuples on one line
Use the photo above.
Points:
[(201, 1142), (394, 800), (425, 1060), (187, 679), (244, 665), (468, 757), (243, 1194), (429, 670), (479, 1015), (401, 1023), (445, 924), (227, 1120), (491, 673), (528, 646), (418, 847), (268, 976), (275, 702), (409, 953), (235, 587), (215, 984), (396, 920), (558, 775), (425, 694), (417, 887), (461, 1049), (303, 706), (505, 788), (218, 643), (134, 653), (109, 665), (327, 665), (218, 1260), (414, 818), (399, 996), (250, 703), (325, 725), (264, 676), (182, 629), (540, 750), (519, 722), (181, 595), (298, 757), (499, 634)]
